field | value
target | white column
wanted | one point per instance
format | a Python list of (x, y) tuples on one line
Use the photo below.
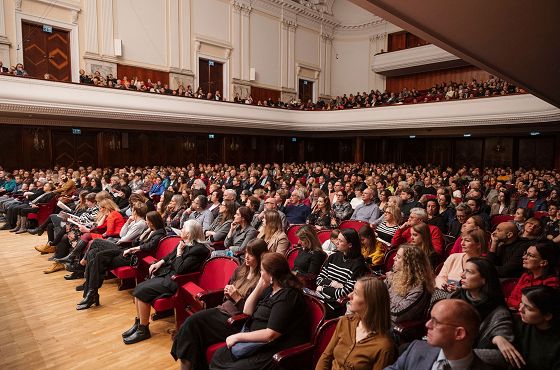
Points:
[(245, 42), (284, 54), (92, 43), (377, 43), (108, 35), (4, 41), (186, 42), (322, 62), (173, 32), (291, 56), (328, 61), (236, 40)]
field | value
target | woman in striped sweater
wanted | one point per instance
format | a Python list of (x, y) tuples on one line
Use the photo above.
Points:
[(340, 272)]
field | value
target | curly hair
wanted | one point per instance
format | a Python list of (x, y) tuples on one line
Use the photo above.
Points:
[(416, 270)]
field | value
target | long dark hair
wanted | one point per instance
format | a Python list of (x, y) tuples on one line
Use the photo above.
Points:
[(546, 299), (492, 290), (353, 238), (276, 265), (549, 253)]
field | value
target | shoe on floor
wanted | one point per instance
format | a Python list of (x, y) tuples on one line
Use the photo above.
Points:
[(45, 248), (54, 268)]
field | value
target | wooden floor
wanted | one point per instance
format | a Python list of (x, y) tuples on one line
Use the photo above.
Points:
[(41, 329)]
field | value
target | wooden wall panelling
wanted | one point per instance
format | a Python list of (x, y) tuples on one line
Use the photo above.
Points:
[(426, 80), (142, 73), (498, 151), (439, 151), (261, 93), (11, 147), (468, 152), (536, 152), (35, 142), (396, 41)]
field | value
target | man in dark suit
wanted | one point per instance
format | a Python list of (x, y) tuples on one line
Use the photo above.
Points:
[(452, 331)]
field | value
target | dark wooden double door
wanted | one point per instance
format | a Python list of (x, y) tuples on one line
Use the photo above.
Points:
[(46, 52), (74, 150), (210, 76)]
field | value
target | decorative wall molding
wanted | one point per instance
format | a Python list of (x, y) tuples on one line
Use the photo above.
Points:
[(61, 4), (23, 97)]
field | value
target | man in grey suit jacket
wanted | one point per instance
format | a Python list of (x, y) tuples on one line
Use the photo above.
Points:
[(452, 331)]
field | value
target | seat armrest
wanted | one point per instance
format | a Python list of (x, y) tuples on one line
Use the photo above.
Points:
[(185, 278), (298, 357), (238, 320), (148, 259), (211, 298)]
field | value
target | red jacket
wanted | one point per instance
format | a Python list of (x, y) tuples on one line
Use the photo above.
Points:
[(114, 223), (527, 280), (403, 236)]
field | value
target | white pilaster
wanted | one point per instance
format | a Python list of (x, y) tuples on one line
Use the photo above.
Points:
[(108, 35), (245, 41), (284, 54), (291, 55), (328, 61), (4, 41), (236, 40), (377, 43), (173, 32), (92, 43)]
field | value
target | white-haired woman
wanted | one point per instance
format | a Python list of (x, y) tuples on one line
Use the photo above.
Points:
[(188, 256)]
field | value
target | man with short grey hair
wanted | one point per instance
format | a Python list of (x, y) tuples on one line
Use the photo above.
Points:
[(403, 234)]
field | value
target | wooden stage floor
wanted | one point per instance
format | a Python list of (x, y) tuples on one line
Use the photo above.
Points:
[(41, 329)]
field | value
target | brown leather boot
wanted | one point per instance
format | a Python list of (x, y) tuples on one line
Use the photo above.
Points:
[(54, 268), (44, 249), (23, 227), (18, 225)]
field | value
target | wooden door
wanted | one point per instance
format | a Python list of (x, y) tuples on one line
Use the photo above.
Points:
[(46, 52), (210, 76), (305, 91), (74, 150)]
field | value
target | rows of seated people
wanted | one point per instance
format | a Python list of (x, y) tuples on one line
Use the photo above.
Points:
[(439, 92), (389, 252)]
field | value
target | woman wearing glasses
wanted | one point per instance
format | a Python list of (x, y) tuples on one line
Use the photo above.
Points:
[(341, 209)]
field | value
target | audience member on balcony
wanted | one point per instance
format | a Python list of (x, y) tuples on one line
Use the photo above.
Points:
[(473, 244), (532, 201), (480, 287), (368, 211), (462, 214), (537, 342), (410, 284), (403, 233), (320, 215), (295, 210), (541, 264), (188, 256), (272, 232), (362, 338), (19, 71), (209, 326), (340, 272)]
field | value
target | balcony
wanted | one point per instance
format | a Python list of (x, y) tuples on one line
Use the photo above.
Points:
[(414, 60), (38, 102)]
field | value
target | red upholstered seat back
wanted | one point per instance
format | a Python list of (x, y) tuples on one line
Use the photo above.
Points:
[(352, 224), (291, 233), (291, 256), (322, 338), (389, 259), (324, 235), (498, 219), (316, 314), (216, 272), (166, 246)]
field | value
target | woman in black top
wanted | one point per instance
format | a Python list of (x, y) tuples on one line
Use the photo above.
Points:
[(311, 256), (210, 326), (279, 318), (320, 216), (537, 331), (188, 256)]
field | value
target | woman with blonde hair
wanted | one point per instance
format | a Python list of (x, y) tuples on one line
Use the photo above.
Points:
[(386, 229), (362, 338), (272, 232), (421, 237), (474, 244), (410, 284)]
